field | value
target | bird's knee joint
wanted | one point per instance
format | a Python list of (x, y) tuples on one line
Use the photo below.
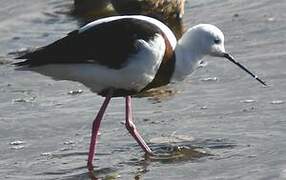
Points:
[(130, 126)]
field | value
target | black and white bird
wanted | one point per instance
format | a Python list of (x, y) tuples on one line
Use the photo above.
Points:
[(121, 56)]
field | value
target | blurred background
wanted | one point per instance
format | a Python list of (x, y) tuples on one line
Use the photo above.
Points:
[(217, 124)]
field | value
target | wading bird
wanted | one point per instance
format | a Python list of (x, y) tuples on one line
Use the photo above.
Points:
[(121, 56)]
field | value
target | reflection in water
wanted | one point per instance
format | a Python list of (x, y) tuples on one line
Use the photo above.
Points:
[(102, 173), (157, 95), (62, 155), (177, 149), (106, 173), (81, 173), (176, 152)]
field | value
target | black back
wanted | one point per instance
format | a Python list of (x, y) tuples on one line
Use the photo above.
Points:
[(109, 44)]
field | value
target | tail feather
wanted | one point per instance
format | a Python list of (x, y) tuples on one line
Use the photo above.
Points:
[(22, 63), (31, 57)]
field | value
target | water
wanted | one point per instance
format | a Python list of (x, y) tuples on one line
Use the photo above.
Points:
[(228, 128)]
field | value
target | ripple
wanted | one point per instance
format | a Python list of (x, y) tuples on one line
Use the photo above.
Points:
[(171, 139), (178, 153), (107, 173), (216, 144), (61, 155)]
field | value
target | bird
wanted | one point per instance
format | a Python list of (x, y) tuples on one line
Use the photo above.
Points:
[(92, 9), (121, 56), (167, 8), (168, 11)]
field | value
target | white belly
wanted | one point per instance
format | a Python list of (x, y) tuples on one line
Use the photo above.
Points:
[(139, 70)]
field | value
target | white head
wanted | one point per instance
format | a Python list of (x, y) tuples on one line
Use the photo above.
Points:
[(202, 40)]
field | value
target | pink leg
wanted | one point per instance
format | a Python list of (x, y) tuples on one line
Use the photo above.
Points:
[(95, 128), (132, 129)]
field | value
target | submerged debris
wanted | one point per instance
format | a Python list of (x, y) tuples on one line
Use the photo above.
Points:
[(209, 79), (24, 100), (236, 15), (69, 142), (277, 102), (18, 142), (248, 109), (46, 154), (75, 92), (203, 107), (66, 148), (271, 19), (202, 64), (17, 147), (248, 101)]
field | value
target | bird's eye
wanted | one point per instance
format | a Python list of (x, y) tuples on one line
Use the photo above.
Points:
[(217, 41)]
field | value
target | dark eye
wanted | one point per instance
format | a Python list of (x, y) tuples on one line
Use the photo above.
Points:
[(217, 41)]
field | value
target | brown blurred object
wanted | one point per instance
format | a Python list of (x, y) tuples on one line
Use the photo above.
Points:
[(90, 10), (168, 11)]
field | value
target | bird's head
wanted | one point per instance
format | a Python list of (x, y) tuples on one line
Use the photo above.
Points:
[(207, 39)]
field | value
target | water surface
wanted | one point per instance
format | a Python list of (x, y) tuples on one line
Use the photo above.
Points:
[(217, 124)]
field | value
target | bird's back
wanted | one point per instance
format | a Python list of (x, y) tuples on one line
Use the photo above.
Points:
[(108, 43), (127, 53)]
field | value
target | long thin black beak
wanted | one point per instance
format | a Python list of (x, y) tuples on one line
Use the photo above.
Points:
[(230, 58)]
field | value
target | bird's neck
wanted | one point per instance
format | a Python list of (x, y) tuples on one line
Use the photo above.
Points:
[(187, 59)]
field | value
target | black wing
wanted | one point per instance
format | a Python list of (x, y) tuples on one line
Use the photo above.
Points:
[(109, 43)]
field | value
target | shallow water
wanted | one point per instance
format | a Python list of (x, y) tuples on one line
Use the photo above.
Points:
[(217, 124)]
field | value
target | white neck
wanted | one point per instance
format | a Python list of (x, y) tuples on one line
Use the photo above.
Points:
[(187, 59)]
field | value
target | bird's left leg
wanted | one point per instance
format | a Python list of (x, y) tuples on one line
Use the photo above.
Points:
[(132, 129)]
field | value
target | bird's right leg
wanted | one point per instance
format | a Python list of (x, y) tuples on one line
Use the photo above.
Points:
[(95, 128)]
